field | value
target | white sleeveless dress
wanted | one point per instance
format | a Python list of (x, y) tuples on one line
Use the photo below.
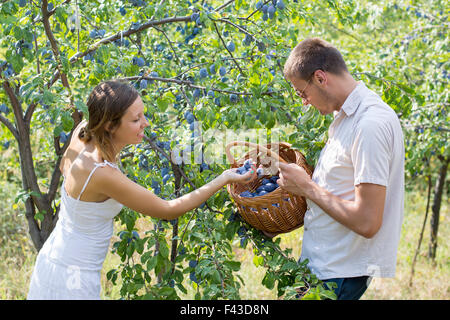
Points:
[(68, 265)]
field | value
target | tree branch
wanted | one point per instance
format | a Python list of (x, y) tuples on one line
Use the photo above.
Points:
[(10, 126), (231, 54), (421, 232), (236, 26), (54, 182), (128, 33), (158, 149), (23, 134), (170, 43), (254, 12), (29, 113), (224, 5), (189, 84), (54, 46), (51, 12), (115, 37)]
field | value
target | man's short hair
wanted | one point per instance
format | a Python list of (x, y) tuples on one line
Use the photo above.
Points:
[(313, 54)]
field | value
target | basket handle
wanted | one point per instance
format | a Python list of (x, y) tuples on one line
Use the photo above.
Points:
[(253, 145)]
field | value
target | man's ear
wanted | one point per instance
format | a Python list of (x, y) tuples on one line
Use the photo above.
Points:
[(320, 76)]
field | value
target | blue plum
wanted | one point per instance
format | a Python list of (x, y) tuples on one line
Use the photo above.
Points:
[(203, 73), (261, 193), (231, 46), (143, 84), (222, 71), (246, 194), (193, 263), (269, 187), (196, 93), (280, 4), (233, 98)]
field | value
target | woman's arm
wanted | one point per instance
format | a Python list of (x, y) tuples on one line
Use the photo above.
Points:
[(116, 185)]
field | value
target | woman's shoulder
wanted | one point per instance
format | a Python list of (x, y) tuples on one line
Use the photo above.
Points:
[(109, 179), (73, 149), (87, 170)]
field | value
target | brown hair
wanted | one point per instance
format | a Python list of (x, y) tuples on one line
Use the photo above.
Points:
[(313, 54), (107, 103)]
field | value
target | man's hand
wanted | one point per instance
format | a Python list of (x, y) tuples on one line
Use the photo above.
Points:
[(294, 179)]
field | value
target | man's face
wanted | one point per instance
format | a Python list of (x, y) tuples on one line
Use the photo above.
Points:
[(315, 91)]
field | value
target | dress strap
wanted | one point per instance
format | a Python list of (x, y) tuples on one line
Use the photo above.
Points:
[(105, 162), (97, 165)]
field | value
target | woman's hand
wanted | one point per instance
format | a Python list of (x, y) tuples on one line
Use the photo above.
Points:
[(231, 175)]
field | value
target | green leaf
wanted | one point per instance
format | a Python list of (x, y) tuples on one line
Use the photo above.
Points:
[(15, 60), (214, 15), (130, 249), (163, 249), (129, 221), (216, 276), (47, 97), (311, 296), (139, 246), (24, 195), (39, 216), (67, 121), (167, 291), (233, 265), (182, 289), (146, 256), (17, 32), (80, 105), (258, 261), (269, 281), (57, 130), (151, 263), (162, 104), (406, 88)]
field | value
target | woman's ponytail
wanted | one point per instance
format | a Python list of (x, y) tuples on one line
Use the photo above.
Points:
[(85, 134)]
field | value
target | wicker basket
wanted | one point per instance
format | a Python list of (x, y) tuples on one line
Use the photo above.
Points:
[(278, 211)]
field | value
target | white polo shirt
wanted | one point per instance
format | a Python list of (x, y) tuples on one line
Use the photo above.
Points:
[(365, 145)]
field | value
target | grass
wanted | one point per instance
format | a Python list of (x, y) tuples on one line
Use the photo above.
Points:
[(431, 279)]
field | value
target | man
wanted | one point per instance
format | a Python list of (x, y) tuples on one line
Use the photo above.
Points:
[(355, 197)]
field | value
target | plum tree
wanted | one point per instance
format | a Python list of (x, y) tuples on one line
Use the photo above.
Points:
[(53, 54)]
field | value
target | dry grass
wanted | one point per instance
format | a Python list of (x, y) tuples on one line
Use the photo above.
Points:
[(431, 279)]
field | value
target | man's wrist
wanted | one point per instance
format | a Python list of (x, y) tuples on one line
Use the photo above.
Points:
[(309, 190)]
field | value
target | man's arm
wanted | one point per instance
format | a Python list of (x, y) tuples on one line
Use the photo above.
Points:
[(364, 215)]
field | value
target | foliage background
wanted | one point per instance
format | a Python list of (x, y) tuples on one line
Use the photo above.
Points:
[(400, 49)]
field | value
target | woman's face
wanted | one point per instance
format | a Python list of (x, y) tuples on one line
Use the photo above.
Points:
[(132, 125)]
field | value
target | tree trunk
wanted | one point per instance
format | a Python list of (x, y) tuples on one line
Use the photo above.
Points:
[(436, 207), (430, 184), (39, 232)]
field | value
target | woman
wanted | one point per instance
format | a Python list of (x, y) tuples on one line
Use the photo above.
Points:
[(93, 192)]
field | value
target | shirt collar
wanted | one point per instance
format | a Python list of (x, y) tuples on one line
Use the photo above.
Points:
[(353, 100)]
